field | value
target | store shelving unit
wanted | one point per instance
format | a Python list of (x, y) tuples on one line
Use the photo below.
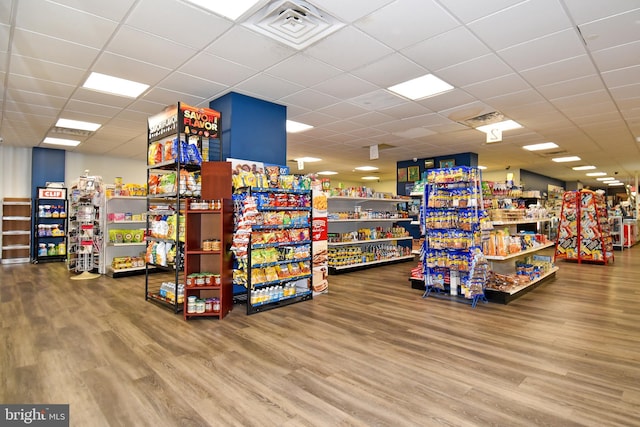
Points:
[(365, 232), (124, 245), (16, 230), (453, 216), (180, 139), (277, 266), (84, 251), (50, 225), (584, 234)]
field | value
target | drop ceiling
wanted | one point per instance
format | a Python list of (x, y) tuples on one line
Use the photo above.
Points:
[(567, 70)]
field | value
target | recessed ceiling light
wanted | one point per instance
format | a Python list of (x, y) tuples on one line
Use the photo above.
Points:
[(294, 127), (597, 174), (566, 159), (327, 173), (230, 9), (61, 141), (482, 167), (421, 87), (583, 168), (615, 184), (114, 85), (77, 124), (607, 178), (503, 126), (366, 168), (371, 178), (542, 146), (307, 159)]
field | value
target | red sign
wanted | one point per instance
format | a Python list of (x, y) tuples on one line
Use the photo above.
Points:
[(52, 193), (319, 229)]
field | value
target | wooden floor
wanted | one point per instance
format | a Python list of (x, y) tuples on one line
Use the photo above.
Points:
[(370, 353)]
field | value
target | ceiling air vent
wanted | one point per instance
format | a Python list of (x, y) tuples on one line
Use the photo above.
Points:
[(71, 132), (295, 23), (483, 119)]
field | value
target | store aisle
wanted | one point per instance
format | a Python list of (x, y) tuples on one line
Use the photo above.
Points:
[(372, 352)]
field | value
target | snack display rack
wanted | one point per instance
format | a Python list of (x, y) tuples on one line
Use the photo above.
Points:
[(180, 139), (584, 233), (50, 225), (273, 246), (124, 243), (454, 267)]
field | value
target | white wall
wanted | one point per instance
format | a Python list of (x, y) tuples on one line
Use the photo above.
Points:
[(131, 171), (16, 171), (501, 176)]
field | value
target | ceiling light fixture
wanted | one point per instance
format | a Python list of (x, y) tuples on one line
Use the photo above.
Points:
[(366, 168), (77, 124), (597, 174), (607, 178), (421, 87), (583, 168), (327, 173), (615, 184), (307, 159), (114, 85), (542, 146), (501, 126), (566, 159), (371, 178), (229, 9), (482, 167), (294, 127), (61, 141)]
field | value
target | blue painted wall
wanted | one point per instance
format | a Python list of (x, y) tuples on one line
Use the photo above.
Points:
[(460, 159), (252, 129), (535, 181)]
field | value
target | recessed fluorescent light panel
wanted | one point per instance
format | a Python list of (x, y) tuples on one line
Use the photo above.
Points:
[(597, 174), (366, 168), (616, 184), (371, 178), (114, 85), (77, 124), (566, 159), (607, 178), (482, 167), (421, 87), (307, 159), (542, 146), (294, 127), (327, 173), (583, 168), (61, 141), (230, 9), (503, 126)]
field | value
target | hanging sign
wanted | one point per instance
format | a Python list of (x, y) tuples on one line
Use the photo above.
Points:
[(494, 135)]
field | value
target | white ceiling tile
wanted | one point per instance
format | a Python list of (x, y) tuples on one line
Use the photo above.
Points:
[(112, 9), (349, 11), (267, 87), (378, 100), (147, 48), (162, 18), (46, 70), (81, 28), (525, 21), (406, 22), (406, 110), (544, 50), (345, 86), (75, 108), (515, 99), (597, 97), (128, 68), (390, 70), (315, 118), (101, 98), (20, 96), (216, 69), (612, 31), (310, 99), (568, 69), (621, 56), (343, 110), (46, 87), (302, 69), (144, 107), (476, 70), (250, 49), (5, 30), (436, 53), (339, 126), (468, 11), (179, 82), (331, 49), (571, 87), (5, 12), (168, 97), (447, 100), (622, 77), (586, 11), (27, 43), (504, 84), (626, 92), (372, 118)]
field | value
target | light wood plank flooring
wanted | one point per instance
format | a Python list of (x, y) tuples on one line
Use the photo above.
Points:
[(370, 353)]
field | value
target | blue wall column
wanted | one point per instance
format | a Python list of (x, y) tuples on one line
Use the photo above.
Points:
[(252, 129)]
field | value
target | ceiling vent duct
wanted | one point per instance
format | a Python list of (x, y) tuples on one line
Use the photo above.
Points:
[(295, 23), (71, 132), (483, 119)]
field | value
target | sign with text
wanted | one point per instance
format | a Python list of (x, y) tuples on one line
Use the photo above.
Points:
[(52, 193), (34, 415)]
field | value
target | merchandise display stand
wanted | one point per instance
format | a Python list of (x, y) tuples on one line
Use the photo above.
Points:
[(16, 230), (84, 250), (124, 235), (454, 267), (50, 225), (584, 233)]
